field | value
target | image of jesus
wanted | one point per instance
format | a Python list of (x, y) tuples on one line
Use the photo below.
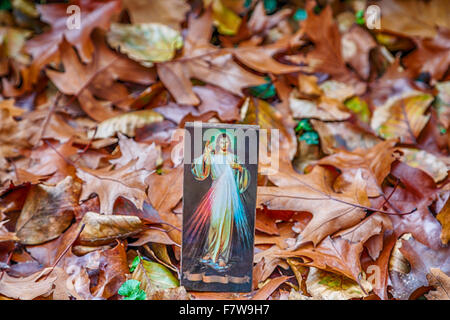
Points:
[(221, 212)]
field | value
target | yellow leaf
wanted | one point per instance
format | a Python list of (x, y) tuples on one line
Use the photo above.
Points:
[(145, 42), (402, 117), (226, 20)]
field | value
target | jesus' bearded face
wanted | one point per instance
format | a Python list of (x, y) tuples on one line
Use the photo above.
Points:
[(224, 143)]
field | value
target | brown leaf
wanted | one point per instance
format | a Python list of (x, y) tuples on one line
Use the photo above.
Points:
[(47, 212), (375, 164), (374, 225), (422, 259), (325, 109), (343, 135), (160, 11), (106, 67), (5, 235), (402, 117), (444, 219), (265, 223), (415, 190), (441, 282), (357, 44), (153, 236), (102, 229), (109, 185), (431, 55), (327, 54), (147, 156), (27, 288), (165, 190), (202, 61), (269, 288), (313, 193), (401, 16), (44, 47), (218, 100)]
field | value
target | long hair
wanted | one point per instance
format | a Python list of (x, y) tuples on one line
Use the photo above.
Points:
[(219, 138)]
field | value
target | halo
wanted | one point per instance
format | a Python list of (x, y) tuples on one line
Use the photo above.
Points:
[(213, 139)]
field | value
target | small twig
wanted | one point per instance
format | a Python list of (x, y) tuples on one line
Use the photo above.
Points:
[(49, 115)]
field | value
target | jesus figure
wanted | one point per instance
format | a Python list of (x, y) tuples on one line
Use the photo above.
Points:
[(221, 212)]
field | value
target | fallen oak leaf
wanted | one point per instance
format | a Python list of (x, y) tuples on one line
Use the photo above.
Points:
[(431, 55), (369, 228), (312, 192), (147, 155), (109, 185), (374, 163), (327, 55), (203, 61), (44, 47)]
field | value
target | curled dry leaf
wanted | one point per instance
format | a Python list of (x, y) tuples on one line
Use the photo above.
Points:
[(102, 229), (126, 123), (153, 236), (371, 228), (324, 109), (266, 291)]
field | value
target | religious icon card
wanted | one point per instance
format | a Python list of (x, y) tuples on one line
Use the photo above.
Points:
[(219, 201)]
